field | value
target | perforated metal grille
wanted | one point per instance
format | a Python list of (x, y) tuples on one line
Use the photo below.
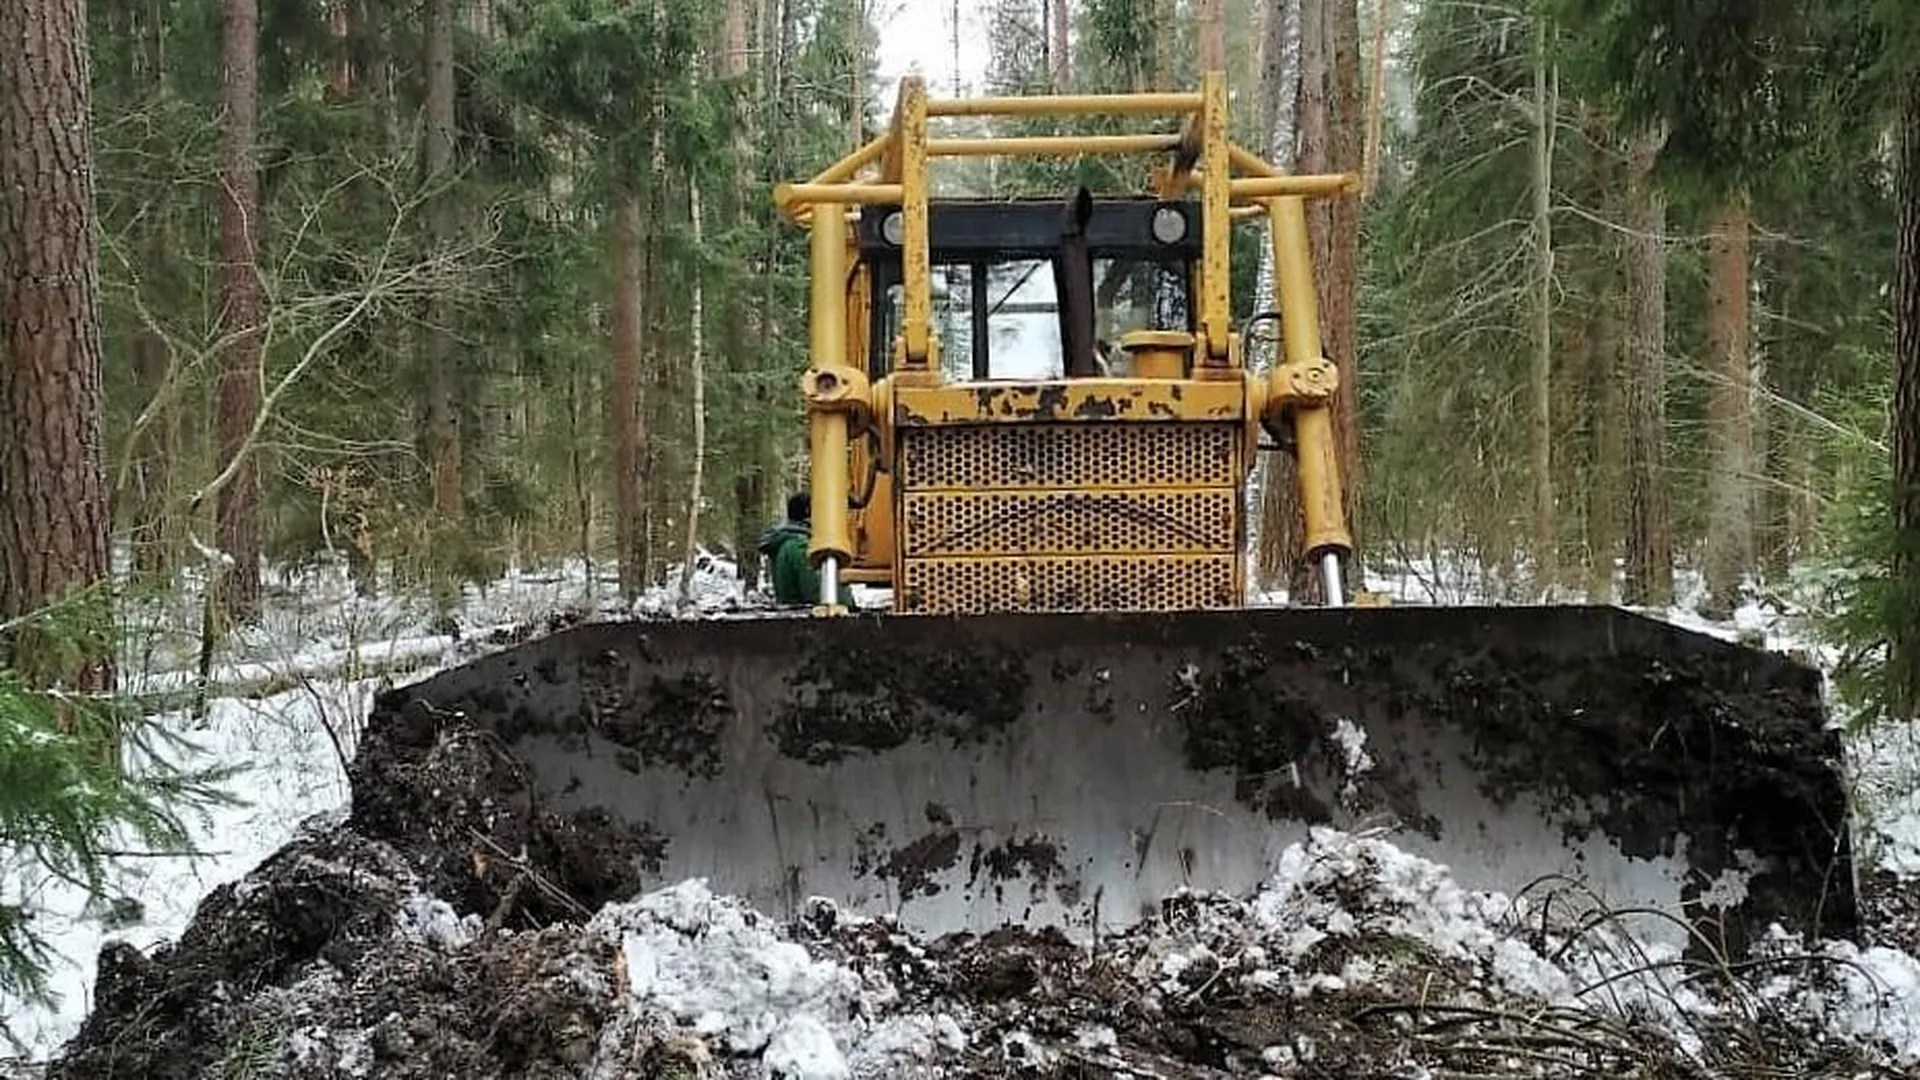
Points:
[(1085, 583), (1069, 517), (1068, 522), (1070, 455)]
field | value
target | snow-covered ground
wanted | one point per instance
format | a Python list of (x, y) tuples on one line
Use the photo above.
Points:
[(304, 679), (300, 683)]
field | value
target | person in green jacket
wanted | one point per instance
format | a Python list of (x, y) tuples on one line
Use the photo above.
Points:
[(795, 581)]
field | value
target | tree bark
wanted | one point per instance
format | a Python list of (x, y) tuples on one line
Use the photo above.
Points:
[(1786, 448), (698, 373), (628, 418), (443, 403), (1061, 66), (1729, 537), (857, 76), (154, 533), (1546, 544), (1649, 542), (237, 507), (1904, 634), (1340, 285), (1212, 19), (1376, 98), (340, 46), (1606, 418), (53, 492), (1164, 27)]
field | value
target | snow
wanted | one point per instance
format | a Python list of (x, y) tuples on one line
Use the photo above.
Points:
[(300, 682), (718, 967), (294, 690), (725, 971)]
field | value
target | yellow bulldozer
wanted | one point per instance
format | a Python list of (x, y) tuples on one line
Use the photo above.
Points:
[(1033, 421)]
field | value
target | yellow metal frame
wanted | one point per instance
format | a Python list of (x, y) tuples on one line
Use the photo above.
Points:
[(852, 418)]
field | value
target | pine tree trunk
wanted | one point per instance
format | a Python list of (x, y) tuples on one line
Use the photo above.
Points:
[(1340, 281), (1904, 634), (857, 76), (1729, 410), (1786, 445), (340, 48), (1376, 98), (154, 532), (237, 509), (1608, 422), (1546, 544), (1272, 502), (627, 419), (1279, 91), (748, 320), (698, 374), (443, 404), (657, 375), (1061, 66), (53, 493), (1165, 26), (1212, 19), (1649, 542)]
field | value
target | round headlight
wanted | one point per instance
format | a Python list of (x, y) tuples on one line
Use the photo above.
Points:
[(894, 228), (1169, 225)]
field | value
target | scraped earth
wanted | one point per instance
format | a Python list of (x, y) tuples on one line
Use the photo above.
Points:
[(450, 926)]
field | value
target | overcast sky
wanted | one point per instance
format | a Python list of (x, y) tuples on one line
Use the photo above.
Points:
[(917, 35)]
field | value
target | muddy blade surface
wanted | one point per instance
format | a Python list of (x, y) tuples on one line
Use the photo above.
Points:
[(1056, 769)]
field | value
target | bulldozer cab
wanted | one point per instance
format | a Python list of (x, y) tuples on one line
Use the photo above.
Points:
[(1041, 289), (1040, 403)]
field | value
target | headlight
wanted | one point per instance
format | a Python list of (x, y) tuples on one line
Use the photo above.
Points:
[(1169, 225), (893, 228)]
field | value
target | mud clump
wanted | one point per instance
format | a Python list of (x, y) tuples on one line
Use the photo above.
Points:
[(915, 866), (674, 721), (455, 802), (332, 958), (1277, 733), (1665, 744), (887, 697)]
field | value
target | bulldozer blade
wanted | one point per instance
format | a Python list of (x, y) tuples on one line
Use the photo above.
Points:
[(962, 773)]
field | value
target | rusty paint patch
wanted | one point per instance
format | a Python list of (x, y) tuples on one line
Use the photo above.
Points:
[(1098, 408), (1086, 400)]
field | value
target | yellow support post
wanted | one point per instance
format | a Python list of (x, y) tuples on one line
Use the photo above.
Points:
[(1303, 384), (824, 386), (916, 269), (1216, 226)]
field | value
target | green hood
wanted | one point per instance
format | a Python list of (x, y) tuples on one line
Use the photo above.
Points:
[(771, 540)]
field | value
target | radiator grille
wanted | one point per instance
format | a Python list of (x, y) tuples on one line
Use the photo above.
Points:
[(1069, 517), (1060, 456), (1056, 583), (1056, 522)]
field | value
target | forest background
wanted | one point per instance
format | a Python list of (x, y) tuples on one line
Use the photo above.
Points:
[(438, 289)]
